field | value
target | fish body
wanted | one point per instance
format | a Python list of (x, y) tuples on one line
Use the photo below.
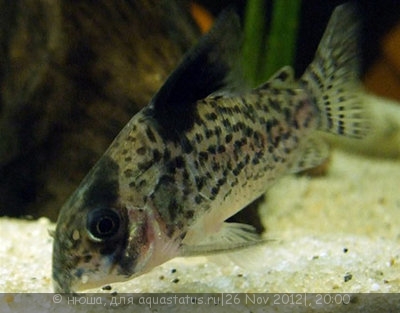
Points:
[(202, 150)]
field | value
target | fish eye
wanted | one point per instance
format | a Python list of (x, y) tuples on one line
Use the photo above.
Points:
[(103, 224)]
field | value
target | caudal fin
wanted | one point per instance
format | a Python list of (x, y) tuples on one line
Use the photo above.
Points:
[(332, 78)]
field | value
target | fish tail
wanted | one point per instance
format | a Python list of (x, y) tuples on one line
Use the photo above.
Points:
[(332, 79)]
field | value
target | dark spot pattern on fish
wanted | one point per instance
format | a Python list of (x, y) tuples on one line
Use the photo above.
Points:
[(144, 166), (186, 145), (199, 138), (150, 135), (128, 173), (198, 199), (87, 258), (166, 204), (141, 151), (242, 135), (209, 133), (200, 182), (156, 155)]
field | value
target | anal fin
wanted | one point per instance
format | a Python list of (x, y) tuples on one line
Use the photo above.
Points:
[(314, 152)]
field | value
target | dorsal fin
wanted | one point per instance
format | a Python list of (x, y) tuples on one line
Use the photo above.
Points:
[(208, 68), (284, 75)]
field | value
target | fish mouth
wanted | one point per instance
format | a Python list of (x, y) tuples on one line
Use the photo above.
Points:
[(73, 273), (62, 277), (85, 280), (61, 284)]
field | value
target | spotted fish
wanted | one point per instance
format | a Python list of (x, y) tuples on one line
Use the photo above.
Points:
[(204, 148)]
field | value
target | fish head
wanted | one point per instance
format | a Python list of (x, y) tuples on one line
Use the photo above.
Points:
[(89, 248), (101, 237)]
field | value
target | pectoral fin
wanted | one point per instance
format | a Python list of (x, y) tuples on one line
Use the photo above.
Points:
[(231, 237)]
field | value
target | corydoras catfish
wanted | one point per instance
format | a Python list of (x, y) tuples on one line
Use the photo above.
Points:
[(201, 151)]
